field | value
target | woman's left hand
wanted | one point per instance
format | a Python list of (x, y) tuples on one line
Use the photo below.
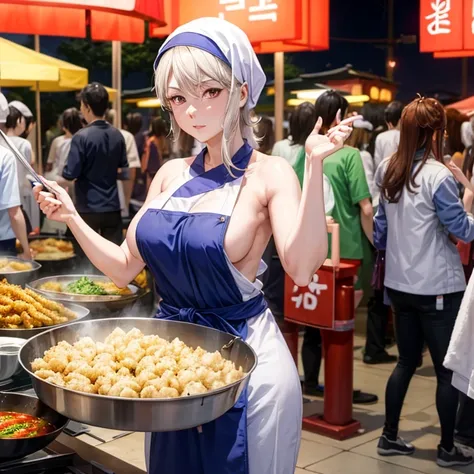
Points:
[(319, 147)]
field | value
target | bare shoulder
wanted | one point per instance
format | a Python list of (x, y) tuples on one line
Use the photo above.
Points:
[(270, 164), (272, 169), (273, 174), (167, 174)]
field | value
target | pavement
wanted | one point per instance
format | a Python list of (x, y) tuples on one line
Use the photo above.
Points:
[(419, 425)]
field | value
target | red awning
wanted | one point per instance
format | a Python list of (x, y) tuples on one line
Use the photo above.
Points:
[(119, 20), (466, 106)]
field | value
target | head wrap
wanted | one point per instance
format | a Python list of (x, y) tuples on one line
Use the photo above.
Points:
[(363, 124), (4, 112), (225, 41), (22, 108)]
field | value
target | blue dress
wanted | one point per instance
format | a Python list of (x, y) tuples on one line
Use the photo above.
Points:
[(181, 239)]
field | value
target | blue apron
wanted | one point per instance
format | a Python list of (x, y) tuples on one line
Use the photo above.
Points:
[(185, 253)]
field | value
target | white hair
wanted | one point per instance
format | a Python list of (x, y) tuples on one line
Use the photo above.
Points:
[(190, 67)]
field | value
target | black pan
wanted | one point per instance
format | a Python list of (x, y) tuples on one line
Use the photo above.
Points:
[(21, 403)]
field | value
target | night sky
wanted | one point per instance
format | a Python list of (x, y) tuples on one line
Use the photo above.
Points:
[(363, 19)]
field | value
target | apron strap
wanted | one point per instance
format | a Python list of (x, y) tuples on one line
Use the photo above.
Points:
[(216, 177)]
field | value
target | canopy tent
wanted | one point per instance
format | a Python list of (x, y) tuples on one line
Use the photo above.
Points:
[(465, 106), (24, 67)]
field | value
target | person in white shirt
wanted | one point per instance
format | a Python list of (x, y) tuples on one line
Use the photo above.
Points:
[(12, 221), (16, 125), (387, 142), (127, 176), (71, 123)]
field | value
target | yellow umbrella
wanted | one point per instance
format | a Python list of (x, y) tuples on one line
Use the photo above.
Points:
[(24, 67)]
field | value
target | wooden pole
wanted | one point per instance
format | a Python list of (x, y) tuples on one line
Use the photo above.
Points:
[(39, 157), (390, 48), (117, 80), (465, 77), (279, 60)]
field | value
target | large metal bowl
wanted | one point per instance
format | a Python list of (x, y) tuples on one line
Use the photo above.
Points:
[(92, 302), (80, 311), (130, 414), (23, 277)]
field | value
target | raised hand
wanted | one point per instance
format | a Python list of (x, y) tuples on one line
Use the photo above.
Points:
[(59, 208), (319, 147)]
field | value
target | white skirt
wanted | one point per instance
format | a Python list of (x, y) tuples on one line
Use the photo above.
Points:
[(275, 410)]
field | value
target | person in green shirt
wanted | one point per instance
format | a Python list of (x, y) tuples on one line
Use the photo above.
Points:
[(354, 214)]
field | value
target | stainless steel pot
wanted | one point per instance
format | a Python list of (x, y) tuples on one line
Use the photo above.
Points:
[(92, 302), (130, 414), (80, 311), (9, 363), (23, 277)]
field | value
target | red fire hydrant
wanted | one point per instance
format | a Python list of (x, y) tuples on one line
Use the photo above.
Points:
[(328, 303)]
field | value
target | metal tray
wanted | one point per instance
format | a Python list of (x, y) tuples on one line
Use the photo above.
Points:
[(129, 414), (22, 277), (80, 311), (90, 301), (45, 237)]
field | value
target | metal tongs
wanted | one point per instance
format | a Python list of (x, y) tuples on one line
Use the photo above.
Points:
[(36, 178)]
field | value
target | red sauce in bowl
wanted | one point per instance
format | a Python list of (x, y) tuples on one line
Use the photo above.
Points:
[(15, 425)]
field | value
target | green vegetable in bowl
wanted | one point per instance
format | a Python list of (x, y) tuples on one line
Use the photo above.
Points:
[(85, 286)]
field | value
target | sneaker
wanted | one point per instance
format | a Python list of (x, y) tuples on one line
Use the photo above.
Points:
[(387, 447), (383, 358), (454, 458)]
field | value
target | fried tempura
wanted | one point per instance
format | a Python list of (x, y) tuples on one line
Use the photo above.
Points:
[(26, 309)]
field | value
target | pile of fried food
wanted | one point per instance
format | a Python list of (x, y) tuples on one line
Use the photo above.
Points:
[(51, 249), (26, 309), (8, 266), (132, 365)]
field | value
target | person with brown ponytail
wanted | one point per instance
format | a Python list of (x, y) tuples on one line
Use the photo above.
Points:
[(418, 219)]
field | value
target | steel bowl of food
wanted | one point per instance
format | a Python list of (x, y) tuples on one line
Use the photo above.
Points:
[(26, 425), (56, 254), (26, 313), (138, 374), (18, 271), (9, 363), (95, 292)]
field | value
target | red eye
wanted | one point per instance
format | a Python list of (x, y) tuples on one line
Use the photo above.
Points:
[(177, 100), (212, 93)]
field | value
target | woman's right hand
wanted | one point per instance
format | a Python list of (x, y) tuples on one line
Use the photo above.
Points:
[(59, 208)]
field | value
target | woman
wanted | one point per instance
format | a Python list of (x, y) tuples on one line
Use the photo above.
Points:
[(70, 123), (265, 135), (302, 122), (419, 208), (202, 232), (156, 150), (15, 125)]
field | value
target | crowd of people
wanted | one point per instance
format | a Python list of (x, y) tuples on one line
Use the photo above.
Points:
[(401, 190), (402, 184)]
